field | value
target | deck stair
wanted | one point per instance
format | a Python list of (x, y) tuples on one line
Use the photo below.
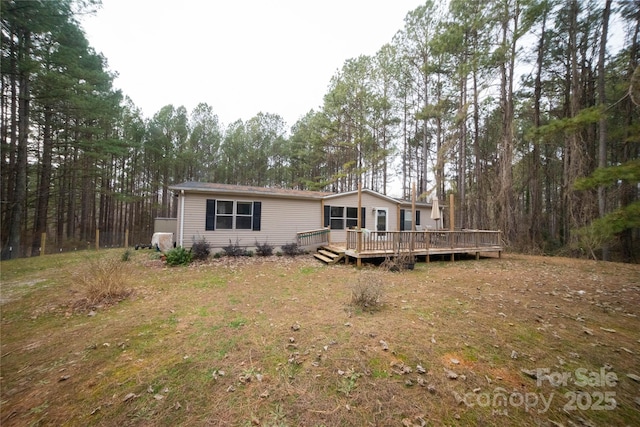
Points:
[(329, 255)]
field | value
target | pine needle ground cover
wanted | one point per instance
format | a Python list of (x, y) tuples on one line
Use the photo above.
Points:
[(277, 341)]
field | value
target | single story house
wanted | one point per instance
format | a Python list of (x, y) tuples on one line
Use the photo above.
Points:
[(222, 213)]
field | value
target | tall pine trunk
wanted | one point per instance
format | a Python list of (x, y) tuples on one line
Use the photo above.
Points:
[(536, 193), (44, 182), (602, 136), (18, 210), (507, 66)]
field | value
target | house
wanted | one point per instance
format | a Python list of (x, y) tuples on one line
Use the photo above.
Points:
[(222, 213)]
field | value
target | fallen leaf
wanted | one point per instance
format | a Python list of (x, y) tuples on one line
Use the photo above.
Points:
[(129, 396), (451, 375), (634, 377)]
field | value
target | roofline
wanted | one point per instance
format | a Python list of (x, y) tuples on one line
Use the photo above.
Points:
[(400, 202), (249, 190), (364, 190), (284, 193)]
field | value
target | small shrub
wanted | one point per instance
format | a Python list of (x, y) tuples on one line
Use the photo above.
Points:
[(291, 249), (104, 281), (234, 249), (126, 255), (366, 292), (399, 262), (200, 249), (264, 249), (178, 256), (248, 253)]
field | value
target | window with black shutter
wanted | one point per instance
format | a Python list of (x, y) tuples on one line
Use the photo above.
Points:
[(232, 215), (257, 215), (210, 216)]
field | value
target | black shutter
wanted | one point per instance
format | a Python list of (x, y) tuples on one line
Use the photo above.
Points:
[(363, 218), (417, 217), (327, 215), (257, 213), (210, 221), (401, 219)]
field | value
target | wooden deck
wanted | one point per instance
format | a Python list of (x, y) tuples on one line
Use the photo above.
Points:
[(363, 244)]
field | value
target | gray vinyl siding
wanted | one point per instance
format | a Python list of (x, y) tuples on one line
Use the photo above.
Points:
[(281, 219), (369, 201)]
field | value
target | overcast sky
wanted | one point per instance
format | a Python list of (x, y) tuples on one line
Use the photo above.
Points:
[(240, 57)]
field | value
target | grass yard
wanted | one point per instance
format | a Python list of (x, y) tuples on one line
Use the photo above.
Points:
[(274, 341)]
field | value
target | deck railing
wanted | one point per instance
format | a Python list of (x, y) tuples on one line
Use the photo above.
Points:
[(313, 237), (393, 241)]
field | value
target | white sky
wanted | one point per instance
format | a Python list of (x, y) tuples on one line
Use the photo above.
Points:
[(241, 57)]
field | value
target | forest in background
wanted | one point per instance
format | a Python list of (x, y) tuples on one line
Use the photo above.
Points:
[(527, 111)]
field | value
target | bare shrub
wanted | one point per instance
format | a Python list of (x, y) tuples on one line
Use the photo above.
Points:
[(367, 291), (291, 249), (103, 281), (200, 249), (264, 249), (399, 262), (234, 249)]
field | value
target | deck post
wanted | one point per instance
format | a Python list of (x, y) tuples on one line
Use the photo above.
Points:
[(452, 221), (412, 241), (359, 220)]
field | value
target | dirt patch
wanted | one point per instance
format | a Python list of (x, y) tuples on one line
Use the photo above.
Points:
[(276, 341), (11, 291)]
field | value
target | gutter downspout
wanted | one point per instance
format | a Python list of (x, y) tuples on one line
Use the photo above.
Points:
[(181, 237)]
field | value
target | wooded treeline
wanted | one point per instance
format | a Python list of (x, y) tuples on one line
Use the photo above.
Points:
[(526, 110)]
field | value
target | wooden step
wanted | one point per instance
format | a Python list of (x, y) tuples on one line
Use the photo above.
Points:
[(333, 249), (323, 258), (328, 254)]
